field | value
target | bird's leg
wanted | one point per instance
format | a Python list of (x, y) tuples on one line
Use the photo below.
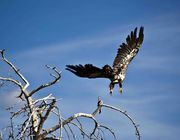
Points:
[(120, 85), (111, 86)]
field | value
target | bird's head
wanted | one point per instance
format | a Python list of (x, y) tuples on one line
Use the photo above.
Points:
[(107, 69)]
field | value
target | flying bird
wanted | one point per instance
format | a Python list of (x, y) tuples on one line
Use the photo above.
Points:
[(116, 74)]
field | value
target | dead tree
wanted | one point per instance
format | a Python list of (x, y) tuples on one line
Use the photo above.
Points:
[(37, 111)]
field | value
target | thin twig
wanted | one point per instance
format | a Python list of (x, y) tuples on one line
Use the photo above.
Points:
[(127, 115), (12, 80), (110, 130), (67, 133), (37, 111), (56, 79), (15, 69)]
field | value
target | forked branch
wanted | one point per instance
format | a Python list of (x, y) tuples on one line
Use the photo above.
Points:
[(37, 112), (100, 105), (56, 77), (17, 71)]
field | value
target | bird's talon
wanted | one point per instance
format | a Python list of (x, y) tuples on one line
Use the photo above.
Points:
[(120, 90)]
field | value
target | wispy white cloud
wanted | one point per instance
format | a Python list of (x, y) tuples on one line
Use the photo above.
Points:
[(70, 45), (160, 64), (156, 55), (160, 39)]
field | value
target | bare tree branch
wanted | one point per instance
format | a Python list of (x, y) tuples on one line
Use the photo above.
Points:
[(110, 130), (12, 80), (15, 69), (22, 88), (43, 118), (127, 115), (92, 116), (56, 79), (81, 129), (37, 111)]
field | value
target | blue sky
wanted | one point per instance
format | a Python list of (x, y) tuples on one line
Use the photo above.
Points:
[(35, 33)]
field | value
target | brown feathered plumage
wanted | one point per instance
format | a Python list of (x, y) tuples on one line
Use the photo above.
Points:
[(126, 52)]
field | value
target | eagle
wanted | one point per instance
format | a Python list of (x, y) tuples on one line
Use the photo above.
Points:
[(116, 74)]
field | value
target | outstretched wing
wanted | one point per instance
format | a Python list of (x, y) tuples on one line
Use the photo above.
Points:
[(127, 51), (88, 71)]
